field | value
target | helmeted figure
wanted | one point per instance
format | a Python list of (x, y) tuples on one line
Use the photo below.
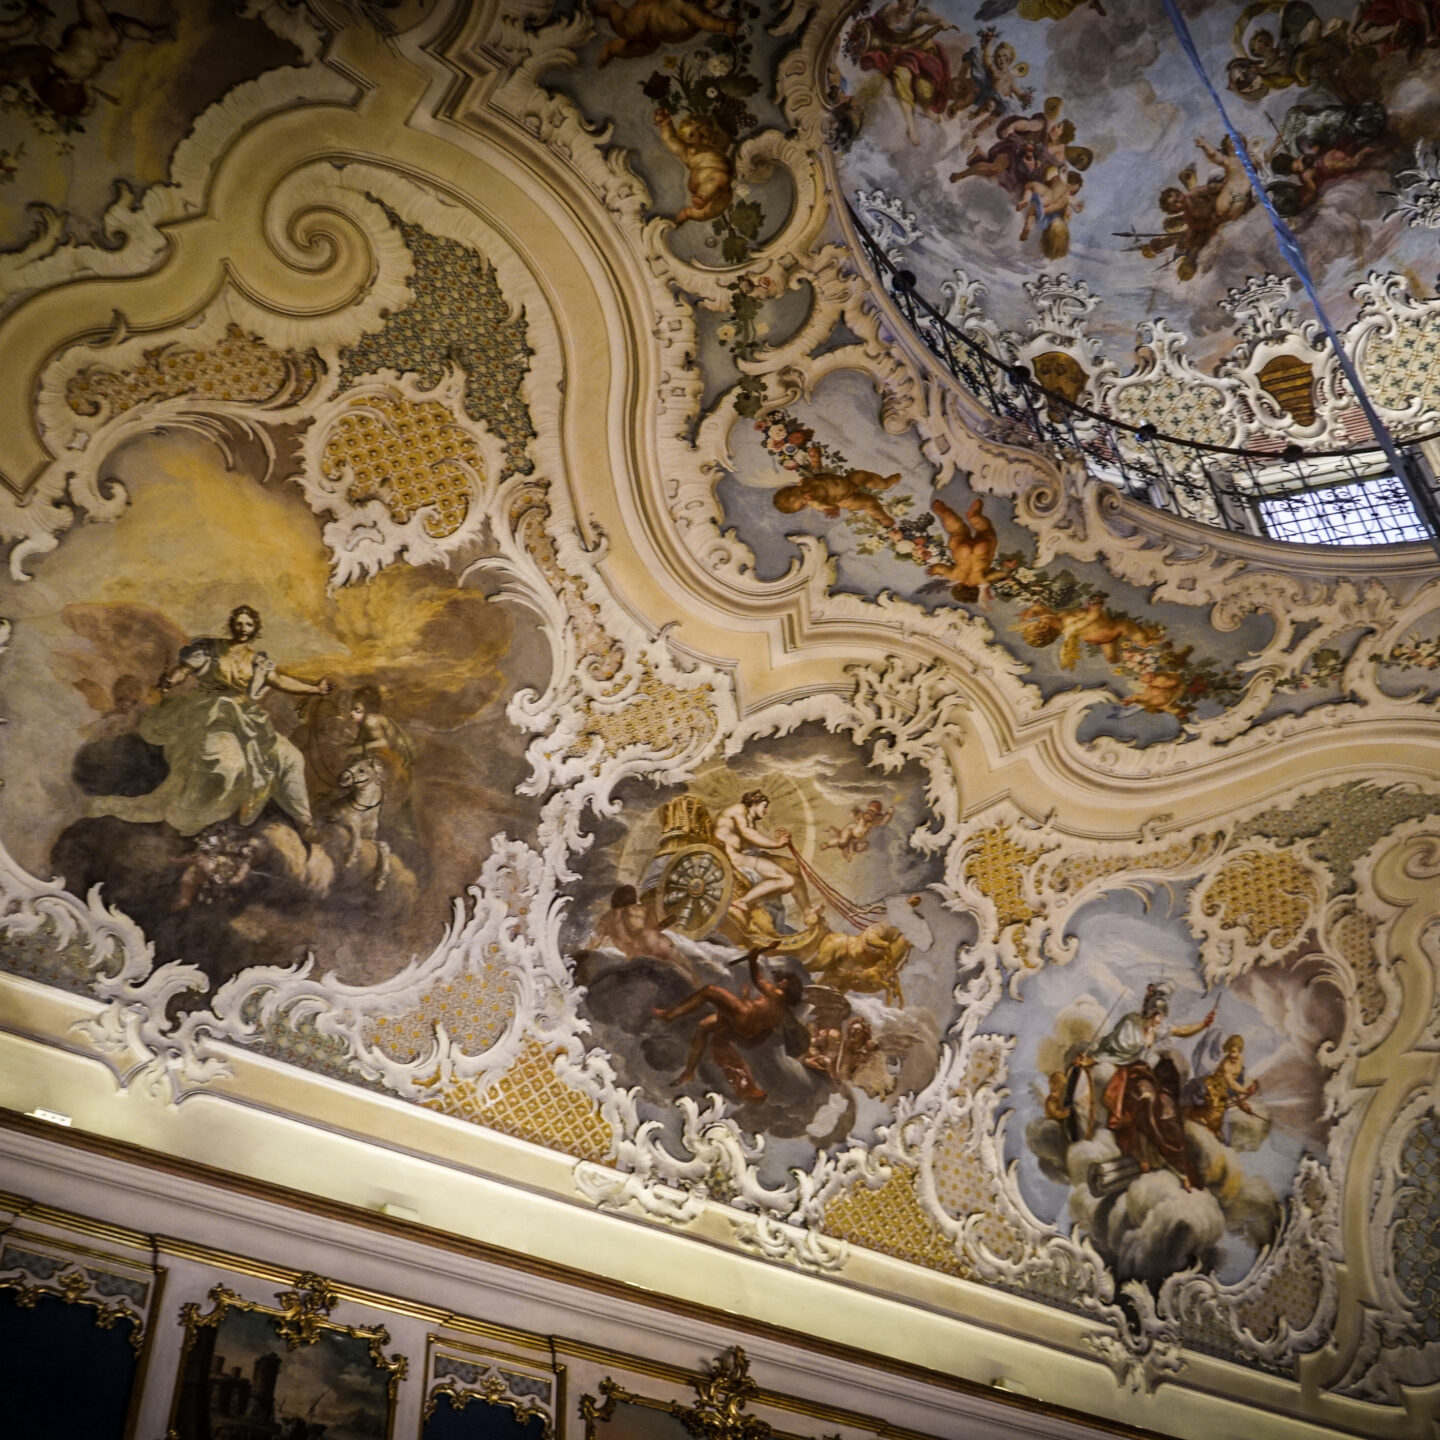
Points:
[(1143, 1095)]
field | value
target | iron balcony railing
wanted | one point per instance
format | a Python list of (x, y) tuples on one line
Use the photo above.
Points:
[(1326, 496)]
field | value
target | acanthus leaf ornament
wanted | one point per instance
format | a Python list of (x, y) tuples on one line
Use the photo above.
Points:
[(723, 1394)]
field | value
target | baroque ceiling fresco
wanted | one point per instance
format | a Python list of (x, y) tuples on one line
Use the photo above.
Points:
[(500, 615), (1054, 170)]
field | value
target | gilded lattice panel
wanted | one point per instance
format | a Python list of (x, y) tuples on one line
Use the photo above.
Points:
[(458, 316), (407, 455), (1074, 872), (1210, 1334), (1268, 894), (1352, 935), (239, 368), (890, 1220), (475, 1010), (996, 865), (661, 717), (1341, 823), (1292, 1295), (38, 954), (1415, 1238), (300, 1042), (966, 1189), (531, 1102)]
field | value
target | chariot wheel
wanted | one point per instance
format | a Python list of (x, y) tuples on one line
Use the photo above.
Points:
[(695, 889)]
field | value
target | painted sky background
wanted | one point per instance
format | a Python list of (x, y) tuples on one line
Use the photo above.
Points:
[(1135, 103)]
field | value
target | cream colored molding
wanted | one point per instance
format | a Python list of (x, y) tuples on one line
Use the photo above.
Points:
[(648, 1294), (615, 533)]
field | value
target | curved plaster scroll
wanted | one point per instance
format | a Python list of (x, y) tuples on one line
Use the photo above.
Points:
[(909, 395), (1392, 1353), (138, 223), (301, 261), (1391, 1082), (1232, 944), (925, 704), (548, 574), (1311, 1237), (1192, 565)]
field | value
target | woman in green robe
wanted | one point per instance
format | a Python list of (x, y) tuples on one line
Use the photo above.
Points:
[(225, 756)]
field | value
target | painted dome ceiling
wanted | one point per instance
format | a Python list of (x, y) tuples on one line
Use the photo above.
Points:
[(1024, 145)]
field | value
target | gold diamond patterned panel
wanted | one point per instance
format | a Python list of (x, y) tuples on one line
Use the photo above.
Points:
[(996, 865), (1076, 871), (1205, 1330), (239, 368), (890, 1220), (531, 1102), (1415, 1239), (409, 455), (1340, 823), (1270, 895), (661, 717), (963, 1184), (1352, 935), (475, 1010), (1292, 1295)]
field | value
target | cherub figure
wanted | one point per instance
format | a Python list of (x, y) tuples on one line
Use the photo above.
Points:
[(1313, 53), (857, 491), (1025, 147), (901, 41), (213, 865), (1162, 682), (1319, 145), (1087, 624), (996, 75), (377, 736), (704, 148), (972, 550), (843, 1046), (853, 839), (744, 1019), (1233, 195), (1224, 1089), (1194, 213), (642, 27), (62, 78), (1056, 1107), (1050, 198)]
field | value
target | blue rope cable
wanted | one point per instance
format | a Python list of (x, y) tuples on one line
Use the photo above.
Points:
[(1290, 251)]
